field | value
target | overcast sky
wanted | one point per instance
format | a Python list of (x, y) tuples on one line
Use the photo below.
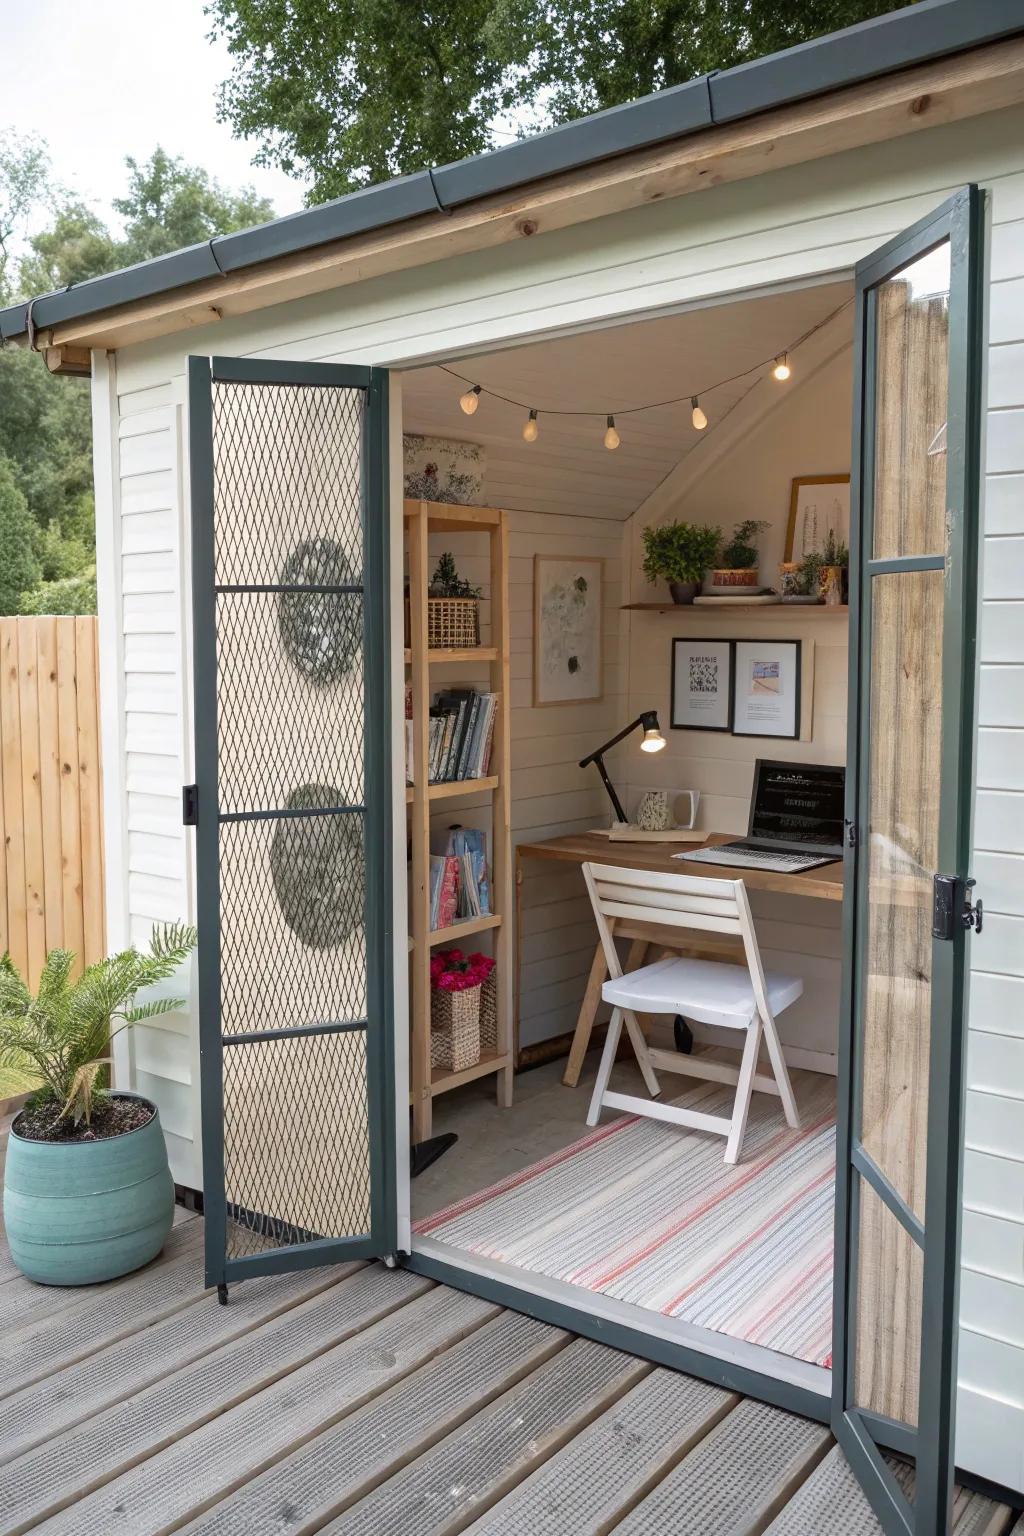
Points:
[(101, 79)]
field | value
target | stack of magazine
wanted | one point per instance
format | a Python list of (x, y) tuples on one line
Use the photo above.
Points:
[(459, 884)]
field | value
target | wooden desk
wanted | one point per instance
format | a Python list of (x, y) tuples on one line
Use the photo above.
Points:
[(824, 884)]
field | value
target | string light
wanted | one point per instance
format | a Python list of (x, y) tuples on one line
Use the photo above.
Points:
[(779, 363)]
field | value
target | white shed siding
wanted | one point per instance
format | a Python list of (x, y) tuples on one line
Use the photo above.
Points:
[(790, 225), (992, 1303)]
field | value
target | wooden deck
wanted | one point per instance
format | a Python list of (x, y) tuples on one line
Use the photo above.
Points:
[(365, 1400)]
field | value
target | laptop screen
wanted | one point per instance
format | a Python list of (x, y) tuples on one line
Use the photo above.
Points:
[(798, 803)]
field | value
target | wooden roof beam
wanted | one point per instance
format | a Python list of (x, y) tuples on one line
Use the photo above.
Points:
[(949, 90)]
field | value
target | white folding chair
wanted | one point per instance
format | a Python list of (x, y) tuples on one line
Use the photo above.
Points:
[(709, 991)]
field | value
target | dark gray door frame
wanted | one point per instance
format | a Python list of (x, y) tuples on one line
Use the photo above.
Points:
[(960, 221), (203, 810)]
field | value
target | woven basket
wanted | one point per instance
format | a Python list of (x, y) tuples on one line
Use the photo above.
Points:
[(455, 1028), (489, 1014), (453, 623)]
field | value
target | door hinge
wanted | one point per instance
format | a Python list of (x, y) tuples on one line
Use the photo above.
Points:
[(851, 832), (952, 908), (189, 805)]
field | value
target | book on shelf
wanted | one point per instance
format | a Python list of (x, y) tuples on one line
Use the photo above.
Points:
[(469, 846), (444, 890), (460, 735)]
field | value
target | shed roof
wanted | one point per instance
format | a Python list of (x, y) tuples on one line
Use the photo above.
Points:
[(914, 35)]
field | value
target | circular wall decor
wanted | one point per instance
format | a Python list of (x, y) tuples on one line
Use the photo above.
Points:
[(316, 863), (322, 632)]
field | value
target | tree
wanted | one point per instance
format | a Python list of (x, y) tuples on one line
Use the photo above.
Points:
[(24, 176), (351, 92), (19, 568), (170, 205)]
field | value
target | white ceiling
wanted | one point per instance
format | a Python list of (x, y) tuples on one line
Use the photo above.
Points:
[(568, 469)]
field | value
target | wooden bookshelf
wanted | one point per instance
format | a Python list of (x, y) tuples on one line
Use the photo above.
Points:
[(421, 519)]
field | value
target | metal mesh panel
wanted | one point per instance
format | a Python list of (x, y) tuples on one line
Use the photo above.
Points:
[(296, 1144), (278, 728), (290, 654), (287, 467)]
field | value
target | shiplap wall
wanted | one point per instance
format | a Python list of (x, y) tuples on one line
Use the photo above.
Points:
[(808, 222), (550, 793), (991, 1419), (805, 430)]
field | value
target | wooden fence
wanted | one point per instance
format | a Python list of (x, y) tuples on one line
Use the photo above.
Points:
[(51, 880)]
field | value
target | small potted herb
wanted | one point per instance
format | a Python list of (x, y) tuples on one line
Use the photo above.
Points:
[(738, 560), (804, 581), (88, 1193), (835, 567), (680, 553)]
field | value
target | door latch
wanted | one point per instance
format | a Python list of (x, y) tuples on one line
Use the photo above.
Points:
[(952, 907), (189, 805)]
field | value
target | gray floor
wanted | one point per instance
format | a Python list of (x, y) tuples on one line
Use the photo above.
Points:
[(362, 1401)]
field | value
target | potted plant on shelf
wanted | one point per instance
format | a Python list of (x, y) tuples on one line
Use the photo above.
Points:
[(835, 571), (462, 1018), (88, 1193), (802, 581), (738, 567), (453, 608), (680, 553)]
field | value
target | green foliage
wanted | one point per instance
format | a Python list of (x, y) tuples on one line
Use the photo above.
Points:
[(351, 92), (835, 551), (170, 205), (446, 581), (76, 246), (72, 594), (24, 173), (18, 565), (740, 554), (680, 551), (64, 1031), (807, 577)]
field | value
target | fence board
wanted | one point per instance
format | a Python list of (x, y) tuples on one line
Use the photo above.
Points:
[(51, 890)]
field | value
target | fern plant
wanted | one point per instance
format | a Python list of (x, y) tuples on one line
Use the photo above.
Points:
[(66, 1029)]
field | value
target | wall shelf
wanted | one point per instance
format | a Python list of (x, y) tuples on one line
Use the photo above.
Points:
[(769, 609), (467, 653)]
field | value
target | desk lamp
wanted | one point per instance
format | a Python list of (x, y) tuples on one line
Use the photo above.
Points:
[(653, 742)]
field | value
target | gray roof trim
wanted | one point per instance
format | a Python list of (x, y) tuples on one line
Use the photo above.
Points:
[(928, 30), (914, 35)]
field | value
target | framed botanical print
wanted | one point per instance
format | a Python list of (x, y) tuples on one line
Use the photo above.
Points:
[(766, 688), (818, 505), (702, 685), (566, 629)]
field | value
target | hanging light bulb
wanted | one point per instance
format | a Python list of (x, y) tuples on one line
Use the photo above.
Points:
[(530, 428), (470, 400), (782, 370), (697, 416), (611, 437)]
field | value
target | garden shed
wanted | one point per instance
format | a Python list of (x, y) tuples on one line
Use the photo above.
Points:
[(788, 295)]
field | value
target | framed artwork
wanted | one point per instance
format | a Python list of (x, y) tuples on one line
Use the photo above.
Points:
[(817, 503), (702, 685), (766, 688), (566, 629)]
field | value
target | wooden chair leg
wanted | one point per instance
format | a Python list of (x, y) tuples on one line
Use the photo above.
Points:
[(643, 1055), (741, 1104), (781, 1074), (604, 1071), (585, 1021)]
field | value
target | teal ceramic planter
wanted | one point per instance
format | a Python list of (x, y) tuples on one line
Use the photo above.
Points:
[(84, 1211)]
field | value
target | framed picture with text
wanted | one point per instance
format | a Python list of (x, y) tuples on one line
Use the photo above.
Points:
[(701, 685), (766, 687)]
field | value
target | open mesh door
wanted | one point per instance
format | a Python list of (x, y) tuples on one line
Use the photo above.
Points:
[(293, 816)]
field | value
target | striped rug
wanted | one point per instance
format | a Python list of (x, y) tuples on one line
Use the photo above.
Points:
[(649, 1213)]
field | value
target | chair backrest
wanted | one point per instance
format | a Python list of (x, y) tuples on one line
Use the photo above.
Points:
[(676, 901)]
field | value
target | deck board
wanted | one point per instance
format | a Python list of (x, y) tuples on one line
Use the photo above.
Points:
[(364, 1401)]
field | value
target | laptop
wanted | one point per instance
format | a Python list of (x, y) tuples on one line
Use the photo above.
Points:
[(796, 820)]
